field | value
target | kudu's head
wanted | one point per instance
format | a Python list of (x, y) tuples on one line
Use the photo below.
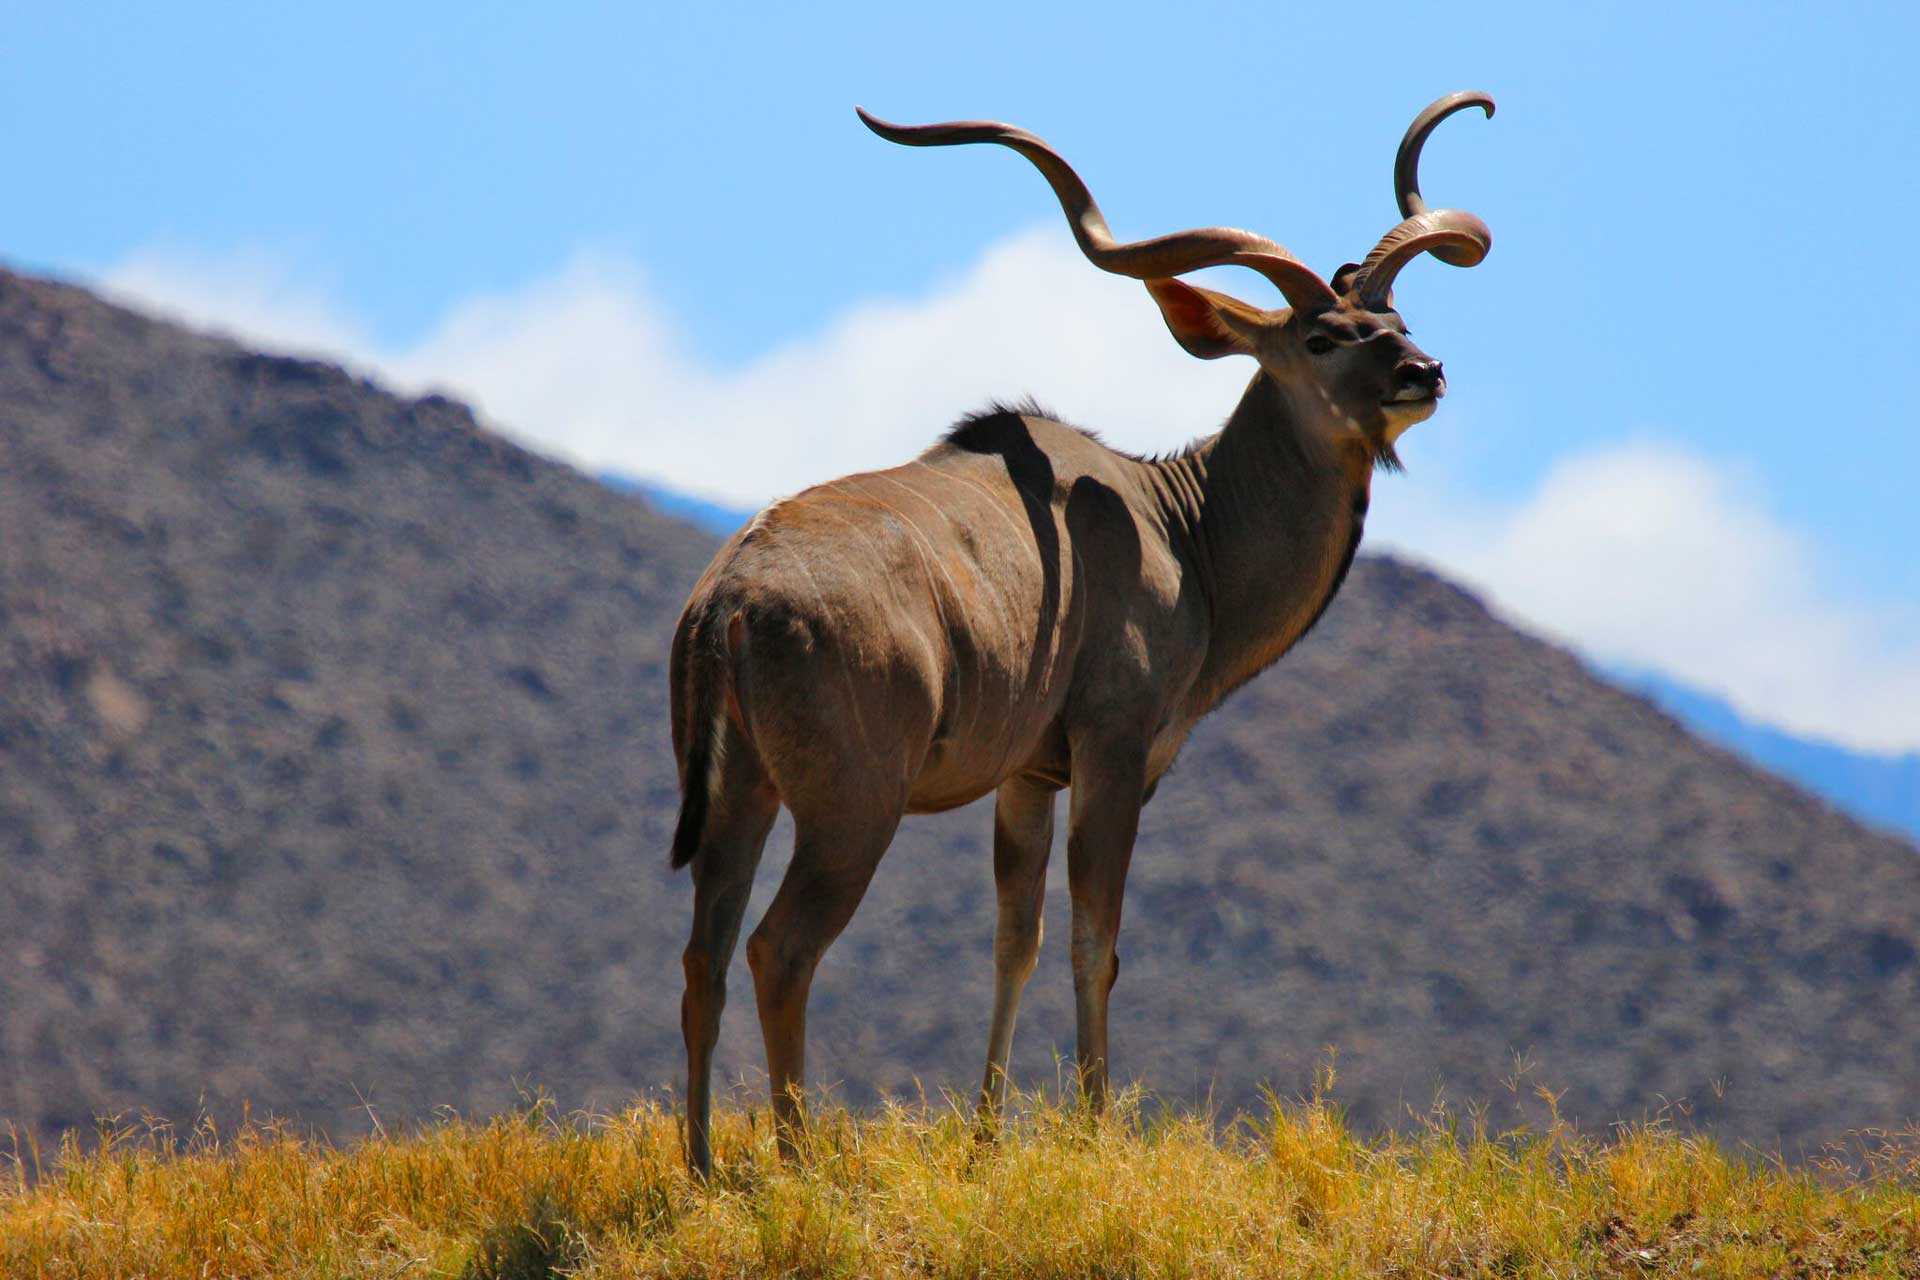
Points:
[(1339, 350)]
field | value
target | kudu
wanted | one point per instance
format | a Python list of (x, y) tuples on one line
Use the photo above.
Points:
[(1023, 609)]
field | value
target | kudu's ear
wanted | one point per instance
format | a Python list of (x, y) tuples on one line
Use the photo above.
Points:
[(1208, 324), (1343, 280)]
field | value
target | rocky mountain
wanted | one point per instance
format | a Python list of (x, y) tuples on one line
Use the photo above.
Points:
[(334, 771), (701, 513), (1881, 787)]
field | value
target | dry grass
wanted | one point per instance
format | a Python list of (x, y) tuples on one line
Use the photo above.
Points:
[(907, 1191)]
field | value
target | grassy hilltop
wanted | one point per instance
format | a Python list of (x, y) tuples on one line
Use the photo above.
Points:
[(906, 1191), (332, 752)]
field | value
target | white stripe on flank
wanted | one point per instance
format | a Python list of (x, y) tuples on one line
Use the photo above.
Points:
[(929, 556), (992, 500), (846, 670), (933, 651)]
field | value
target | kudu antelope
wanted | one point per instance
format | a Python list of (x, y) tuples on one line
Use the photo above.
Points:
[(1022, 609)]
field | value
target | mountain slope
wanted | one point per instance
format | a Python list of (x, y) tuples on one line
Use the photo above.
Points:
[(333, 765), (1881, 788), (701, 513), (328, 749)]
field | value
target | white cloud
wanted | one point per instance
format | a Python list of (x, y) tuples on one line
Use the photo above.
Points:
[(251, 293), (585, 366), (1639, 553), (1654, 556)]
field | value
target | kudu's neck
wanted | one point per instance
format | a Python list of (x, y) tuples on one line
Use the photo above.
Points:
[(1267, 515)]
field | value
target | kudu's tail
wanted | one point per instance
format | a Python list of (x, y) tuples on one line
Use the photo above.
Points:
[(701, 677)]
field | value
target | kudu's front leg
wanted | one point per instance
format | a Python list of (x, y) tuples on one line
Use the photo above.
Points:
[(1022, 839), (1105, 814)]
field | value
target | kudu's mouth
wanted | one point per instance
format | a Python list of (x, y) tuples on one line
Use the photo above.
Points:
[(1418, 393)]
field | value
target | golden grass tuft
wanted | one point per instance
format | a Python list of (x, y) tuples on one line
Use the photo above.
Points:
[(907, 1191)]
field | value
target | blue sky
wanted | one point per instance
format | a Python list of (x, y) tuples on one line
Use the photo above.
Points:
[(658, 241)]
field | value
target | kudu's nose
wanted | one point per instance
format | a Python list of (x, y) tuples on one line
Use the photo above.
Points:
[(1419, 373)]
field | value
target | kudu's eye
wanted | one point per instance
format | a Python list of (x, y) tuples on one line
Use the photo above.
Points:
[(1320, 344)]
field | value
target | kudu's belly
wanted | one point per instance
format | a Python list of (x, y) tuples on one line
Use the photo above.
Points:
[(991, 728)]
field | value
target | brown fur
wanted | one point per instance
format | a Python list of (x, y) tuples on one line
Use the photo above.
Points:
[(1018, 610)]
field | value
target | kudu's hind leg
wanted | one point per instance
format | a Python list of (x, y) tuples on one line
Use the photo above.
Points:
[(723, 869), (834, 855), (1022, 839)]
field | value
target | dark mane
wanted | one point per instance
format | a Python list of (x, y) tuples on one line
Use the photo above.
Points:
[(986, 430), (992, 429)]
